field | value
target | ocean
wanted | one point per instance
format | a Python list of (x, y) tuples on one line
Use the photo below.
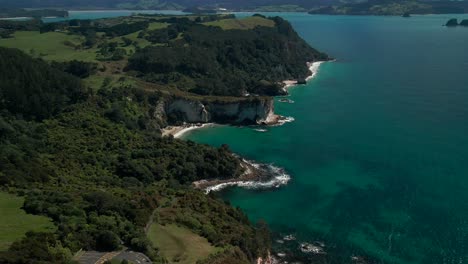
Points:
[(378, 151)]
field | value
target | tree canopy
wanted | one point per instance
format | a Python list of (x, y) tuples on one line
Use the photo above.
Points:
[(208, 60), (96, 164)]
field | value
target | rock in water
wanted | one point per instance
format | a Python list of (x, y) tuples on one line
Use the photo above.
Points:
[(453, 22), (301, 81)]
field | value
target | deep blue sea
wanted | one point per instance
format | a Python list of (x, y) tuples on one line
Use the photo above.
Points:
[(378, 151)]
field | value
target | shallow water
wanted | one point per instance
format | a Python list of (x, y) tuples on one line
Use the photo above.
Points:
[(378, 151)]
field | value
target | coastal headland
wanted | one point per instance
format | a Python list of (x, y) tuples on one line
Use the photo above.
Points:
[(86, 105), (255, 175), (247, 111)]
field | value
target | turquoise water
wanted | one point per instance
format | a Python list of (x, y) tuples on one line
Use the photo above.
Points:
[(378, 152), (98, 14)]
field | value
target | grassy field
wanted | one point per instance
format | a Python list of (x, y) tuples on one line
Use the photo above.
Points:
[(180, 245), (14, 222), (245, 23), (157, 25), (50, 46), (141, 41)]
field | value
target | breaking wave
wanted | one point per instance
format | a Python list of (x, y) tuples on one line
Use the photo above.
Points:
[(277, 177)]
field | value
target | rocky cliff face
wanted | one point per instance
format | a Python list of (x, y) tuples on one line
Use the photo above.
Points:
[(244, 111)]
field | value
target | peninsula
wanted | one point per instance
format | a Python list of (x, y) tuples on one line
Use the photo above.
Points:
[(84, 104)]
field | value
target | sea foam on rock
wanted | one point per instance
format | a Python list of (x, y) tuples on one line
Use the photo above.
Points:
[(256, 176)]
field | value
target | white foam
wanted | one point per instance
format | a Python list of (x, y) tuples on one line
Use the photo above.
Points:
[(190, 128), (278, 179), (311, 248), (283, 120), (314, 67)]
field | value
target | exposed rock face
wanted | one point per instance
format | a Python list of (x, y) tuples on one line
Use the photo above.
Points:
[(191, 111), (244, 111)]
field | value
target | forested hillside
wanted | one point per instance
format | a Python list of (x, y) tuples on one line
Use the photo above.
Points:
[(207, 60), (82, 107), (195, 54), (94, 163), (33, 89)]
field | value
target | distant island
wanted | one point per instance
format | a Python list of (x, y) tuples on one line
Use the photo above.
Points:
[(453, 22), (393, 8)]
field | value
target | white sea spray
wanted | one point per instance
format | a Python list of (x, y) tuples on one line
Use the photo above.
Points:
[(278, 178)]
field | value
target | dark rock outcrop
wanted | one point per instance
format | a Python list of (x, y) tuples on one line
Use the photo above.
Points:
[(453, 22)]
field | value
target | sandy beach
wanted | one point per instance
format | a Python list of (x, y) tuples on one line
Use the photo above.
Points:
[(313, 67), (179, 131)]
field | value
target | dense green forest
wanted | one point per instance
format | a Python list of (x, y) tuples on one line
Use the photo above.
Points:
[(194, 54), (207, 60), (32, 89), (7, 28), (94, 162), (80, 127)]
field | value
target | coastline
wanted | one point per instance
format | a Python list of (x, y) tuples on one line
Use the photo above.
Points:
[(255, 176), (313, 68), (179, 131), (272, 120)]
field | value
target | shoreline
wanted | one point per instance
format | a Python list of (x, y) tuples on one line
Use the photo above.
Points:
[(313, 68), (273, 120), (255, 176), (179, 131)]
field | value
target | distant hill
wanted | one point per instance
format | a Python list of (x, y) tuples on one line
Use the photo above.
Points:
[(388, 7), (179, 4), (351, 7), (36, 13)]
